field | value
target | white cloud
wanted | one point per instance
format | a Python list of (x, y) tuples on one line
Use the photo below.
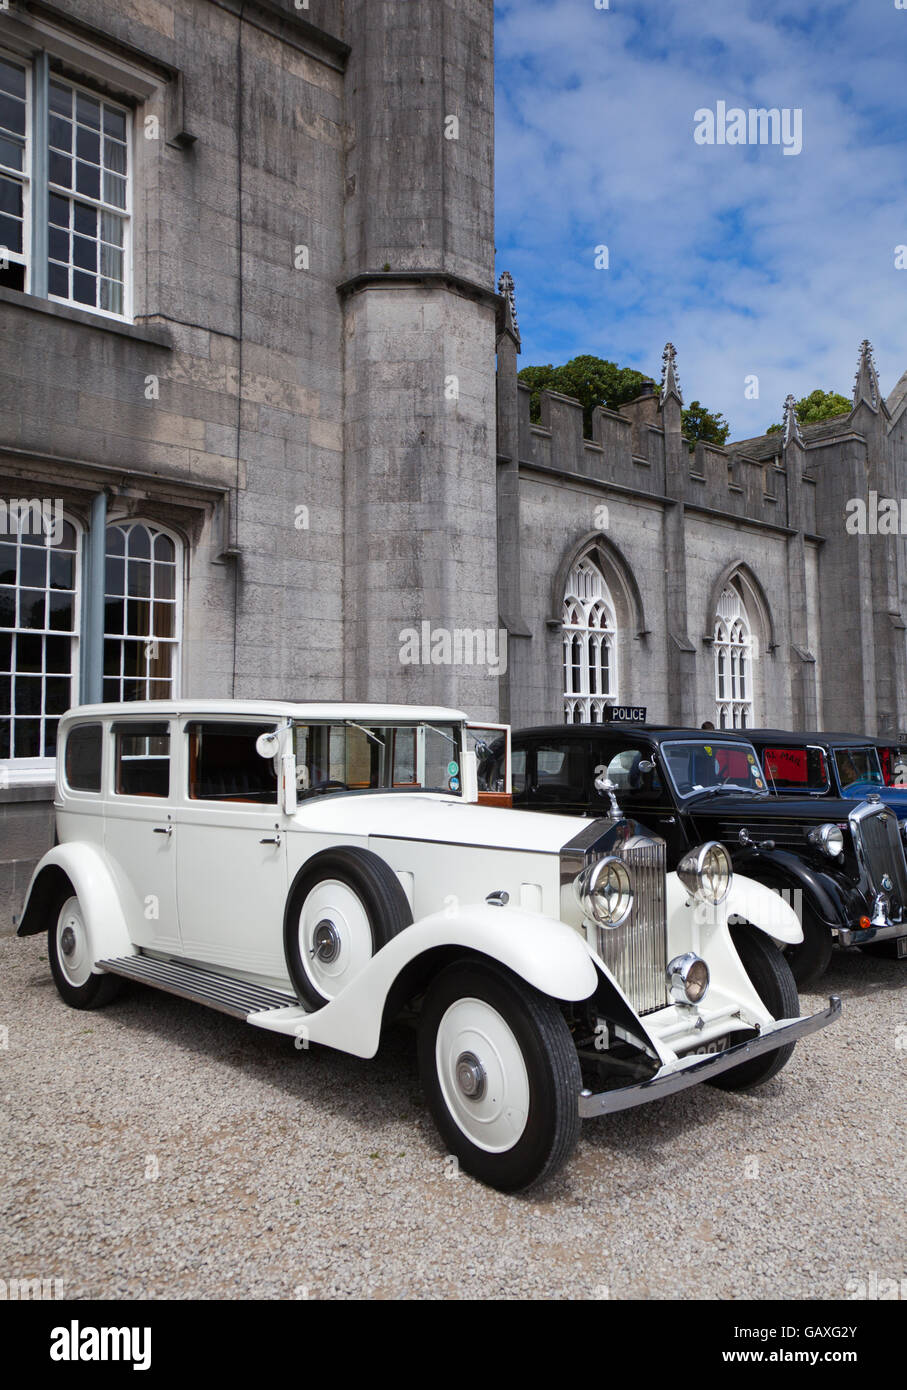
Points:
[(750, 261)]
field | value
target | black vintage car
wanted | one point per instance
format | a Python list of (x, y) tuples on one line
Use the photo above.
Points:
[(841, 861), (826, 765)]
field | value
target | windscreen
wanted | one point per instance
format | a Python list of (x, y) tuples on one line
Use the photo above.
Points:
[(699, 765), (858, 768), (357, 757)]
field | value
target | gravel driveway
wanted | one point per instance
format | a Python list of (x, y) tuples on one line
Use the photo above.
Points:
[(158, 1149)]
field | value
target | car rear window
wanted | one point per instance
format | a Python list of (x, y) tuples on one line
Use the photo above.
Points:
[(83, 758)]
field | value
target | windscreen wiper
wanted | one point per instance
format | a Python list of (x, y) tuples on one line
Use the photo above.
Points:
[(716, 791)]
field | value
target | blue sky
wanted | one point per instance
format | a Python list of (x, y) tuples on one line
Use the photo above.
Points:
[(749, 260)]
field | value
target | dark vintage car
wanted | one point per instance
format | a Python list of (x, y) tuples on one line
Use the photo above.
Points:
[(840, 862), (826, 765), (893, 759)]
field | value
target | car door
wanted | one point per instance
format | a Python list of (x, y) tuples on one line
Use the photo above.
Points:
[(491, 745), (559, 775), (139, 832), (231, 861)]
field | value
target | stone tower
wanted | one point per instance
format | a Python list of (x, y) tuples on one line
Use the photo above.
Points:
[(419, 315)]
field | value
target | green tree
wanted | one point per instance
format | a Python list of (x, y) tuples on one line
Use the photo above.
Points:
[(699, 423), (595, 382), (818, 405), (590, 380)]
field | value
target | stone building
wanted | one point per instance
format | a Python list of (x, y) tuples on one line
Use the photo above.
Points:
[(728, 584), (251, 434), (247, 337)]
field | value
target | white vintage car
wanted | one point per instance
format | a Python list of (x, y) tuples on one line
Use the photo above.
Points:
[(316, 869)]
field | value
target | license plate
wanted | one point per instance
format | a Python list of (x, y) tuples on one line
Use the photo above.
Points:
[(707, 1049)]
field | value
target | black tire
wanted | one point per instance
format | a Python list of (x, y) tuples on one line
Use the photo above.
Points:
[(96, 990), (811, 957), (552, 1068), (773, 981), (380, 894)]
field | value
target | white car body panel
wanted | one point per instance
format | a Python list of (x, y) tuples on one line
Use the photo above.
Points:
[(544, 952), (86, 867)]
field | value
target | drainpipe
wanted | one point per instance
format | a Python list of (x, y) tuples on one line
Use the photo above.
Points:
[(93, 610)]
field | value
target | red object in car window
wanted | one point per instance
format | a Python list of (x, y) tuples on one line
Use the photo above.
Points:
[(787, 765), (733, 763), (885, 755)]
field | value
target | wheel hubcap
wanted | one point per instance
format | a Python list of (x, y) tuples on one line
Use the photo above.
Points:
[(482, 1074), (326, 942), (335, 936), (73, 948), (470, 1076)]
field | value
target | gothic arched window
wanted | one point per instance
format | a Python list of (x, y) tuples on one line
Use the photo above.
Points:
[(142, 619), (733, 662), (590, 646)]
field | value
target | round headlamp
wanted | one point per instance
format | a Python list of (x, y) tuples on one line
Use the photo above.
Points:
[(706, 872), (605, 891), (688, 979), (828, 838)]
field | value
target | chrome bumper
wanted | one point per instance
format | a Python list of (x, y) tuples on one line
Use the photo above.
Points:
[(690, 1071), (857, 936)]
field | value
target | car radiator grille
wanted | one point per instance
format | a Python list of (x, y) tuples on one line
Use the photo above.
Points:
[(787, 834), (883, 851), (636, 953)]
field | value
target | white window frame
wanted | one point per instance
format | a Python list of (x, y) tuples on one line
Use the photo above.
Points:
[(125, 214), (41, 772), (19, 50), (176, 642), (733, 663), (589, 619), (25, 175)]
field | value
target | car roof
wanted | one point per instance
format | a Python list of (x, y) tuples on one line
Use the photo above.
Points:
[(840, 740), (657, 732), (268, 709)]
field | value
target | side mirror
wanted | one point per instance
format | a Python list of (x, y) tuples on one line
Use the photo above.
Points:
[(268, 745), (647, 765)]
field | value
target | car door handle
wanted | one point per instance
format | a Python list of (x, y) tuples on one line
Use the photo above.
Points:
[(270, 840), (667, 820), (163, 830)]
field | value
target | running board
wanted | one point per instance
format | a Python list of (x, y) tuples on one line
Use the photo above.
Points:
[(235, 997)]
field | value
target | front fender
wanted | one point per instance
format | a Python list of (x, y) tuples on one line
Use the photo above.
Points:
[(85, 868), (543, 951), (831, 902), (765, 908)]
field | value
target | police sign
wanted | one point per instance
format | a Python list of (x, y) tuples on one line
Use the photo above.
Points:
[(625, 714)]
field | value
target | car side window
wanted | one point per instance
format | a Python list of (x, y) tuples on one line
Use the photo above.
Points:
[(623, 767), (82, 762), (796, 769), (518, 771), (561, 771), (142, 758), (225, 765)]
